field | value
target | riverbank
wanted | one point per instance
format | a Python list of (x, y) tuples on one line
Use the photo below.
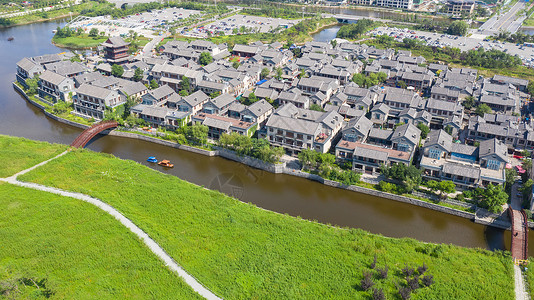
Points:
[(41, 20), (240, 251), (481, 216)]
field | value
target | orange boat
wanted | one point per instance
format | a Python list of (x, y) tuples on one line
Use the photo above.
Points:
[(166, 163)]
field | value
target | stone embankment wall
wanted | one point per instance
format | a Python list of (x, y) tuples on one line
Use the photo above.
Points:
[(499, 221)]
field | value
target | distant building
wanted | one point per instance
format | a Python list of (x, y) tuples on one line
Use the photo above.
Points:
[(116, 50), (460, 7), (403, 4)]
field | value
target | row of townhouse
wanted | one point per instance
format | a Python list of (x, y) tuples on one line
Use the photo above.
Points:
[(510, 130), (367, 148), (295, 129), (467, 166)]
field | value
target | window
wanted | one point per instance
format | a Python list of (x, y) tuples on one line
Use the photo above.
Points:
[(434, 153), (403, 147), (493, 164)]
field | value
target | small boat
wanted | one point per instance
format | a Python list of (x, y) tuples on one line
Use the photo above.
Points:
[(166, 163), (10, 38), (152, 159)]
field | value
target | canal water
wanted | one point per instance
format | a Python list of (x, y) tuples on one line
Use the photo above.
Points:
[(280, 193)]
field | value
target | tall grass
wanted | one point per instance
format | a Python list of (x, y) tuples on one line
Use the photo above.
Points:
[(77, 251), (242, 252), (17, 154)]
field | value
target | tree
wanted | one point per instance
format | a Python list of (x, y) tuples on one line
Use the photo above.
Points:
[(236, 64), (510, 175), (402, 84), (205, 58), (302, 73), (138, 74), (185, 84), (117, 70), (251, 99), (316, 107), (215, 95), (424, 130), (264, 73), (279, 73), (530, 88), (183, 93), (483, 109), (469, 102), (130, 102), (446, 187), (333, 43), (481, 11), (33, 85), (458, 28), (93, 32), (153, 84), (308, 158), (493, 197), (448, 129)]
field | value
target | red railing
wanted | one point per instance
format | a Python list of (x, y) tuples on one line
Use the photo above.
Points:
[(91, 132)]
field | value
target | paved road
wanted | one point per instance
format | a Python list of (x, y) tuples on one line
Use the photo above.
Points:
[(26, 12), (515, 200), (508, 21), (149, 242), (520, 289)]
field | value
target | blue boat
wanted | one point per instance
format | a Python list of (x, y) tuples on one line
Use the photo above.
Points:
[(152, 159)]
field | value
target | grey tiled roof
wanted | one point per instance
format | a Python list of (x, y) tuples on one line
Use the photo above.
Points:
[(493, 147), (94, 91), (292, 124), (461, 170), (439, 137), (260, 107), (52, 77), (408, 131), (215, 123), (380, 133), (371, 153), (196, 98), (161, 92), (464, 149), (222, 100)]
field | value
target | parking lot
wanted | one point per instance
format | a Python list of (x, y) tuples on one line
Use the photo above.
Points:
[(236, 23), (463, 43), (163, 17), (151, 23)]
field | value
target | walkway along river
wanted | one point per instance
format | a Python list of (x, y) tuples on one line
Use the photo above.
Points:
[(281, 193)]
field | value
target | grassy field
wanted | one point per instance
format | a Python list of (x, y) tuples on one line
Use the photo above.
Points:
[(242, 252), (79, 42), (79, 251), (18, 154)]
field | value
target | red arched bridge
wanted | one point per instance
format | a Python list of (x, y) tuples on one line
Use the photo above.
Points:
[(519, 246), (91, 132)]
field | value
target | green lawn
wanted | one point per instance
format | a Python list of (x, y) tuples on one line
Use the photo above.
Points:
[(17, 154), (75, 251), (242, 252), (81, 41)]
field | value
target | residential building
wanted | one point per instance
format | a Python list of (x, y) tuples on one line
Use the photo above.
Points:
[(55, 87), (295, 129), (91, 101)]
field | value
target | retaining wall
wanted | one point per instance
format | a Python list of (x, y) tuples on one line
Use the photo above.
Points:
[(275, 168)]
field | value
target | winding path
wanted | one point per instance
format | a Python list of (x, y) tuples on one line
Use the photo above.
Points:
[(152, 245)]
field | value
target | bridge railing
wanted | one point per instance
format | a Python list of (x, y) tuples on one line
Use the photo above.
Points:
[(91, 132)]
